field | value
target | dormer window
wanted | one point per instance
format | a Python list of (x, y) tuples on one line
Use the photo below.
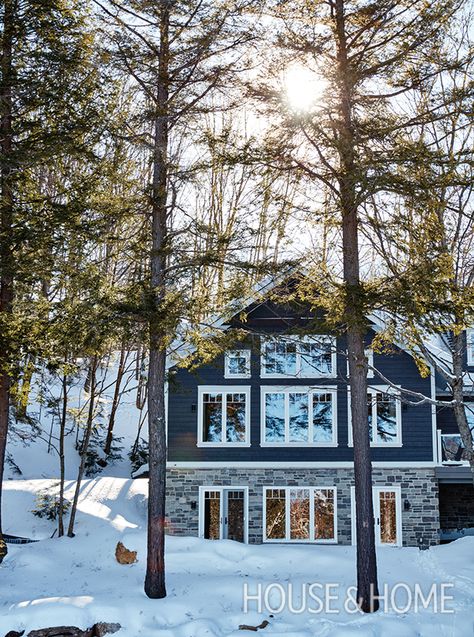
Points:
[(299, 357), (470, 346), (237, 363)]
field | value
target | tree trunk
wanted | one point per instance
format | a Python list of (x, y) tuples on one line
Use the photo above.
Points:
[(367, 588), (62, 430), (6, 226), (155, 573), (458, 396), (115, 401), (85, 444)]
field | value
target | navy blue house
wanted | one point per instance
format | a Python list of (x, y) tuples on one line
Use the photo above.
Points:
[(260, 449)]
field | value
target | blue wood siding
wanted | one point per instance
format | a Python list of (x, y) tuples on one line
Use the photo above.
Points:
[(399, 367)]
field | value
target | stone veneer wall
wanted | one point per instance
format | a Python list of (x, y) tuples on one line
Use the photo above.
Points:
[(418, 486)]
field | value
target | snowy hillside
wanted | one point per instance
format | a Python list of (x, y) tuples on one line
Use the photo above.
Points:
[(77, 581), (33, 446)]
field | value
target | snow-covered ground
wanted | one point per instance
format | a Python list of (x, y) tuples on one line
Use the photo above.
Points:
[(77, 581)]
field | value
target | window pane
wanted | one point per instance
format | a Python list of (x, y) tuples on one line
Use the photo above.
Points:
[(235, 422), (470, 415), (275, 417), (212, 415), (212, 514), (371, 402), (324, 514), (275, 514), (316, 358), (388, 517), (237, 363), (298, 407), (280, 358), (386, 418), (322, 418), (235, 516), (299, 514)]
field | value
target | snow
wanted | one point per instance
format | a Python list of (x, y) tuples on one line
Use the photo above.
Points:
[(77, 581)]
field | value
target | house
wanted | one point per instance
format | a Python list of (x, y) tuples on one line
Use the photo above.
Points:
[(259, 439)]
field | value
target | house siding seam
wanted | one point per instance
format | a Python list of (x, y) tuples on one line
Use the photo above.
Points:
[(419, 524)]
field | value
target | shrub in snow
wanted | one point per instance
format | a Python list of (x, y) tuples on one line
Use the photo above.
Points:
[(47, 505), (139, 454), (96, 459)]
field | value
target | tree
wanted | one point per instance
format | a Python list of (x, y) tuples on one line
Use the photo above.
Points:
[(48, 105), (367, 58), (176, 53)]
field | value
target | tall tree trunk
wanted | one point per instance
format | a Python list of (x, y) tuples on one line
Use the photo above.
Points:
[(155, 573), (115, 401), (458, 396), (85, 443), (367, 588), (62, 432), (6, 225)]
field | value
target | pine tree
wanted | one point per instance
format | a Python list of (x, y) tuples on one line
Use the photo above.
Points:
[(369, 60)]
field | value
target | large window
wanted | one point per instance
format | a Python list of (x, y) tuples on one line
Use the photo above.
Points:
[(298, 357), (470, 346), (299, 416), (223, 416), (237, 363), (385, 417), (300, 514)]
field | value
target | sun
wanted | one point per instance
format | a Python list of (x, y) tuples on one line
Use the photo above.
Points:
[(303, 88)]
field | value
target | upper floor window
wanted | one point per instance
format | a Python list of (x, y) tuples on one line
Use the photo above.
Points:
[(470, 346), (223, 416), (385, 417), (370, 362), (299, 416), (299, 357), (237, 363)]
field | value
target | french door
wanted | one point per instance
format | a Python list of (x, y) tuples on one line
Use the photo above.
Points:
[(387, 514), (223, 513)]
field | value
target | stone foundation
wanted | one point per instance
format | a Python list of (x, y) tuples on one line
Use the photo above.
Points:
[(419, 488)]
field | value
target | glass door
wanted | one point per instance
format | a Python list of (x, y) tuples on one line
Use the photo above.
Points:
[(386, 516), (224, 515)]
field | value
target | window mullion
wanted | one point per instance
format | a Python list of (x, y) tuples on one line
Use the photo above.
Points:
[(312, 530), (287, 417), (310, 418)]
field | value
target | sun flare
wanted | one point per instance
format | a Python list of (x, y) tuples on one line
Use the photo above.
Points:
[(303, 88)]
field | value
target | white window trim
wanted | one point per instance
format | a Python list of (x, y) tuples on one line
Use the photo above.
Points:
[(301, 389), (373, 389), (244, 352), (470, 346), (221, 489), (369, 352), (287, 539), (376, 489), (223, 389), (299, 339)]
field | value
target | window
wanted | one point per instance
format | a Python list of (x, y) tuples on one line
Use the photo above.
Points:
[(300, 514), (223, 416), (370, 358), (302, 357), (237, 364), (470, 346), (385, 412), (299, 416)]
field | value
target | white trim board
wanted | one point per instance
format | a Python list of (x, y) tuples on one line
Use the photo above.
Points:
[(300, 464)]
